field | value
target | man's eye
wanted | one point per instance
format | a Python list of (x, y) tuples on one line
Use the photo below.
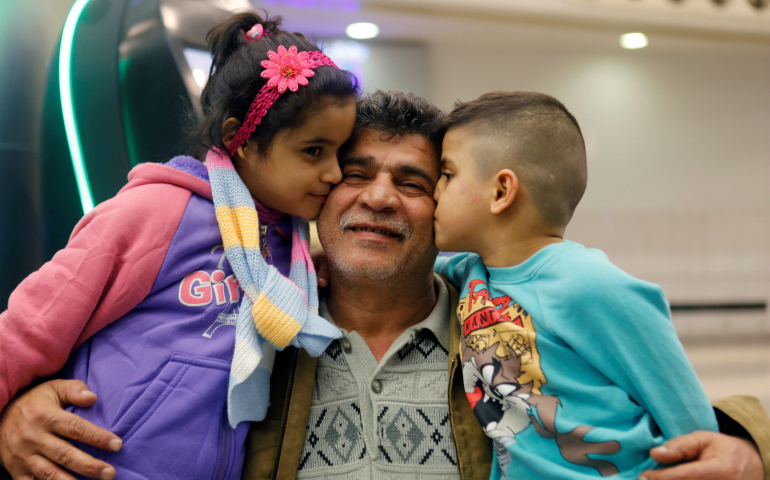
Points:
[(313, 151), (353, 177)]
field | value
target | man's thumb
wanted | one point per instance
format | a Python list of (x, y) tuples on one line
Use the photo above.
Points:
[(687, 447), (73, 392)]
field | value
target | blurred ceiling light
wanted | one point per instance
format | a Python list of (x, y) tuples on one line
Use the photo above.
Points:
[(347, 50), (328, 5), (633, 41), (170, 18), (200, 77), (349, 55), (362, 31)]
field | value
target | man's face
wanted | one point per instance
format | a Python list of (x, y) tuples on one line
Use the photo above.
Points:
[(378, 222)]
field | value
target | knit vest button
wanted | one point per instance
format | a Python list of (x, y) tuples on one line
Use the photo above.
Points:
[(347, 347), (376, 386)]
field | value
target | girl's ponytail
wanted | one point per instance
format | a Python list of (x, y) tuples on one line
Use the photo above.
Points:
[(227, 37)]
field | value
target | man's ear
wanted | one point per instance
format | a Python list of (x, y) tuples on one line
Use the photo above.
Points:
[(506, 187)]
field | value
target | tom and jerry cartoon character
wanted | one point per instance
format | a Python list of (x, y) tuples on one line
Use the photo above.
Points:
[(503, 380)]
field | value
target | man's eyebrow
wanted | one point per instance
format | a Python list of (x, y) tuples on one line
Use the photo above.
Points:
[(365, 161), (403, 169), (407, 170), (317, 140)]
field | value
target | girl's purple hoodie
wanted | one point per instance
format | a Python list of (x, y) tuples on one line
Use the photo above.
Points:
[(141, 306)]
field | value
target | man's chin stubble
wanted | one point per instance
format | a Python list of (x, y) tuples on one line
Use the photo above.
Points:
[(397, 271), (372, 244), (364, 271)]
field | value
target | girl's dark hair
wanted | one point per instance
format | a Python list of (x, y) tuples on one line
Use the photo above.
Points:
[(235, 80)]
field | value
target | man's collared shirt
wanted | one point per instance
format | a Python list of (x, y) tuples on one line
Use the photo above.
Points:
[(388, 419)]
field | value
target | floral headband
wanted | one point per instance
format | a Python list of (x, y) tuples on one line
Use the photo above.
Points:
[(285, 69)]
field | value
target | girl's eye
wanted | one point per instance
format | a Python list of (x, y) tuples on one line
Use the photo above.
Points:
[(448, 176), (313, 151)]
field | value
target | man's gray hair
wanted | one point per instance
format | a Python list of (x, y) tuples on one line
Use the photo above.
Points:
[(394, 114)]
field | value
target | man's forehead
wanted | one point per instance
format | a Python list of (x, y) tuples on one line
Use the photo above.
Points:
[(386, 151)]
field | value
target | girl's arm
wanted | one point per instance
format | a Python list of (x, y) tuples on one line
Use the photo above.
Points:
[(107, 268)]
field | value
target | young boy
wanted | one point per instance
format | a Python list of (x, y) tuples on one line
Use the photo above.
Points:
[(572, 366)]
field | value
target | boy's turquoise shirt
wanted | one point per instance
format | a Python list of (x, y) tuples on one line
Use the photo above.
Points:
[(571, 365)]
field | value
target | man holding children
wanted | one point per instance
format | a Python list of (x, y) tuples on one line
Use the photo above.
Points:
[(391, 397)]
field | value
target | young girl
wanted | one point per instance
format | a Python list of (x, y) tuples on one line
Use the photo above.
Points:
[(170, 299)]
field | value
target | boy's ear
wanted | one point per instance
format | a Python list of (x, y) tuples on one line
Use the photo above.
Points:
[(506, 187)]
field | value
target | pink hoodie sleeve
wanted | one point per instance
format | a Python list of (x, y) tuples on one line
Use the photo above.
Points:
[(107, 268)]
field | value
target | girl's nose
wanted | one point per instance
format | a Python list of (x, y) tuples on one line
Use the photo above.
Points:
[(331, 172)]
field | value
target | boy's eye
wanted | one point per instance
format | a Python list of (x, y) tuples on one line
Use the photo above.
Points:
[(313, 151)]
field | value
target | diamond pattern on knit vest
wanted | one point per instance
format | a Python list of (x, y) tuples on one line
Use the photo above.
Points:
[(406, 433), (421, 350), (333, 354), (411, 435), (341, 434), (333, 438)]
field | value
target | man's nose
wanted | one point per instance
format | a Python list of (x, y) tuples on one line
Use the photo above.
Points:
[(381, 195)]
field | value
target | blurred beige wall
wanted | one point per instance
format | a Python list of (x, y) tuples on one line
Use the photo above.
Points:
[(678, 143)]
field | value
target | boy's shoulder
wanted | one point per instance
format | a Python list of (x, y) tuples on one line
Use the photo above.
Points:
[(582, 283), (588, 272)]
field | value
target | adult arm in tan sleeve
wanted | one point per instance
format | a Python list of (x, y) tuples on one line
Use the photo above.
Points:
[(740, 450)]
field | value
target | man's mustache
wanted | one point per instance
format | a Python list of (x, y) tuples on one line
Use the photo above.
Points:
[(400, 227)]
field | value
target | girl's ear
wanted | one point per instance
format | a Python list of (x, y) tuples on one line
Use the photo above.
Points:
[(506, 188), (229, 130)]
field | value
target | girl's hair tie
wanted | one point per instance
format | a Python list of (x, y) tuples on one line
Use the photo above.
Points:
[(284, 70), (256, 32)]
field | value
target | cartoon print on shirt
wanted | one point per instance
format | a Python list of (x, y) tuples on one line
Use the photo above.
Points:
[(503, 378)]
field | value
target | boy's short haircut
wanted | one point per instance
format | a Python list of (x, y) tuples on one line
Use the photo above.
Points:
[(534, 135)]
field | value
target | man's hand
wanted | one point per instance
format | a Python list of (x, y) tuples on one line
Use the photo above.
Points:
[(321, 263), (710, 456), (30, 428)]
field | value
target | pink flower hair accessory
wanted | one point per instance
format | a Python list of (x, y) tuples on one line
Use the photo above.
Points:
[(285, 70), (256, 32)]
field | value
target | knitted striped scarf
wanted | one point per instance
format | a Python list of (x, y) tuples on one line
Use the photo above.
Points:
[(275, 311)]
